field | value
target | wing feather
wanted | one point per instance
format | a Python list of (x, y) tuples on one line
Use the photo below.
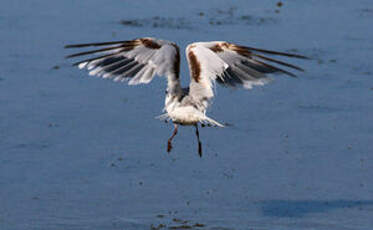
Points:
[(231, 65), (136, 60)]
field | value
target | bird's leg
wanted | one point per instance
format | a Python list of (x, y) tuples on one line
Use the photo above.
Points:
[(199, 142), (169, 143)]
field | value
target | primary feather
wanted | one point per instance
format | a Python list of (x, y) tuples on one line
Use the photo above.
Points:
[(137, 60)]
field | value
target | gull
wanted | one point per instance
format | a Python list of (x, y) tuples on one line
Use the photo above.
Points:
[(137, 61)]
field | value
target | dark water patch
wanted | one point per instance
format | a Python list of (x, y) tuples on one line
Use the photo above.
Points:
[(157, 227), (293, 50), (158, 22), (230, 16), (75, 223), (170, 222), (296, 209), (51, 125), (332, 60), (353, 83), (230, 11), (31, 146), (368, 12), (217, 17), (354, 38), (362, 69), (319, 109), (135, 23), (253, 20), (315, 53)]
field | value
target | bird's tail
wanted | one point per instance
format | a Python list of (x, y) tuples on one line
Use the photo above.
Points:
[(163, 117), (204, 120), (209, 121)]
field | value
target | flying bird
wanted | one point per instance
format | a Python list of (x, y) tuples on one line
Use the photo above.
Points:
[(138, 61)]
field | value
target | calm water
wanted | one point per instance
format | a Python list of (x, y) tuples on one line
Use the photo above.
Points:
[(78, 152)]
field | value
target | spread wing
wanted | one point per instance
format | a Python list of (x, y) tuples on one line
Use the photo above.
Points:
[(231, 65), (136, 60)]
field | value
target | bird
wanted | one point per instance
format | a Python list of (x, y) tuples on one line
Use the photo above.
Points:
[(139, 60)]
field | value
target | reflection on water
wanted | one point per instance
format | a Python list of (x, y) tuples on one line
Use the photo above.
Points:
[(288, 208)]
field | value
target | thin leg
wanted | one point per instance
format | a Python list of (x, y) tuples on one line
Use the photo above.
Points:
[(199, 142), (169, 143)]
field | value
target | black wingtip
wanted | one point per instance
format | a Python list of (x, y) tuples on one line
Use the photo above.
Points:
[(278, 62), (277, 53), (95, 51), (276, 69), (69, 56), (97, 44), (76, 46)]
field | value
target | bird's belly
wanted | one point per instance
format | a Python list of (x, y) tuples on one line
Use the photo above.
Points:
[(188, 115)]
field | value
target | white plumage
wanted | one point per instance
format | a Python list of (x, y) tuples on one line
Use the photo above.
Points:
[(138, 61)]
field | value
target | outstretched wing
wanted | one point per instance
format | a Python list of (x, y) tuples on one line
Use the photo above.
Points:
[(230, 65), (137, 60)]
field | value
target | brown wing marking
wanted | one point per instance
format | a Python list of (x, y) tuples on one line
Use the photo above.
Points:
[(149, 43), (176, 66), (195, 66)]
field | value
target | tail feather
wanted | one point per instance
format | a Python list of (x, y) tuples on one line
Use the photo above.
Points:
[(163, 117), (211, 122), (205, 120)]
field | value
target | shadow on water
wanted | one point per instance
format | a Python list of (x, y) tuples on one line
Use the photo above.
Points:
[(288, 208)]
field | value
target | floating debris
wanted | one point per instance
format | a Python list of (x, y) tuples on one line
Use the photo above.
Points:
[(158, 22), (135, 23), (179, 221), (52, 125), (184, 226), (160, 226), (199, 225), (366, 12), (253, 20)]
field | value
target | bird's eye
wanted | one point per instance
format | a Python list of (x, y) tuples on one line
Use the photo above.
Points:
[(166, 92)]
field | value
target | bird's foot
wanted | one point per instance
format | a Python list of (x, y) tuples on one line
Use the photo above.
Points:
[(169, 146), (200, 149)]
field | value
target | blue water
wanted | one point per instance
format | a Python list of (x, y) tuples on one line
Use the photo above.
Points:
[(77, 152)]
